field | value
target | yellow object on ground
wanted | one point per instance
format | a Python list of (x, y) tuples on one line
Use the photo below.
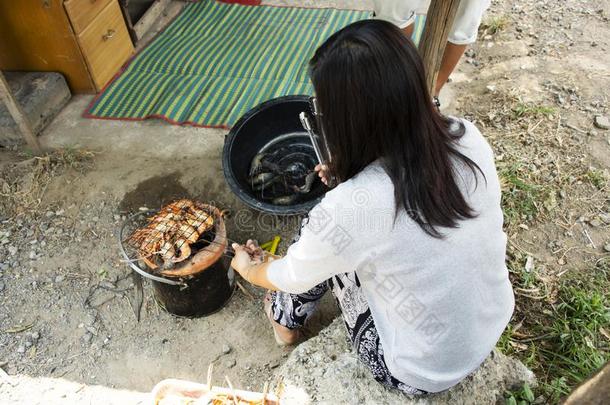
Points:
[(272, 245)]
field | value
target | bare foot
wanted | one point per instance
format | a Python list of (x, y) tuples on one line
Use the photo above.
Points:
[(283, 335)]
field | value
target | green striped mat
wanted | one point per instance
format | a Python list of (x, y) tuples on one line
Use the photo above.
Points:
[(216, 61)]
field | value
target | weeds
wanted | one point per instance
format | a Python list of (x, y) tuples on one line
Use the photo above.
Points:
[(572, 339), (520, 195), (494, 25), (576, 345), (598, 178), (523, 396), (555, 389), (522, 109)]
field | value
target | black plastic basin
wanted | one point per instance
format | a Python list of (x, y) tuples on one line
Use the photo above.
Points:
[(272, 122)]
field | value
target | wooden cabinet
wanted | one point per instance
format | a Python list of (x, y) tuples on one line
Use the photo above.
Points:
[(85, 40), (106, 44)]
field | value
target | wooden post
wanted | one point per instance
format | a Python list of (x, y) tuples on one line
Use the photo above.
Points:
[(439, 21), (18, 115)]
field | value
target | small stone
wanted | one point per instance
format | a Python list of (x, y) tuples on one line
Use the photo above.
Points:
[(35, 336), (2, 286), (59, 212), (91, 330), (87, 337), (274, 364), (607, 247), (604, 217), (3, 266), (21, 349), (32, 255), (91, 318), (491, 88), (49, 214), (60, 278), (226, 349), (231, 363), (116, 217), (28, 344), (12, 250), (601, 122), (595, 222)]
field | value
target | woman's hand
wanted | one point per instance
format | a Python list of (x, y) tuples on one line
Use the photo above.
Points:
[(322, 173), (246, 256)]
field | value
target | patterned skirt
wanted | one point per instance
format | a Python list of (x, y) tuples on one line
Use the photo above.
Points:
[(293, 310)]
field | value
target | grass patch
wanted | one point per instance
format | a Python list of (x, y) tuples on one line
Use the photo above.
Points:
[(521, 196), (494, 25), (598, 178), (569, 337), (522, 109), (523, 396), (577, 347)]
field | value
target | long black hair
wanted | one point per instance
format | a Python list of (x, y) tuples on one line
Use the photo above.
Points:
[(370, 85)]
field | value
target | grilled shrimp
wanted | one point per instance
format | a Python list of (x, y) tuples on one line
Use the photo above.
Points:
[(188, 233), (200, 220), (170, 232), (183, 248), (167, 251), (179, 206)]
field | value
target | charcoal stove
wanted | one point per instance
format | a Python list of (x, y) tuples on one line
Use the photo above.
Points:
[(198, 286)]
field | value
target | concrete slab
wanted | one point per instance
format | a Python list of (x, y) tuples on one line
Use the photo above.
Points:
[(151, 138), (41, 96)]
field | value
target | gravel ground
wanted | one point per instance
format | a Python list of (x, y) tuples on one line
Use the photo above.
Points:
[(536, 84)]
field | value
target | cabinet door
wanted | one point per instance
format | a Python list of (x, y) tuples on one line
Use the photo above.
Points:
[(82, 12), (105, 43)]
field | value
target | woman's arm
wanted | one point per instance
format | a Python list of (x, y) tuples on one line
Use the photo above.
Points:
[(251, 268)]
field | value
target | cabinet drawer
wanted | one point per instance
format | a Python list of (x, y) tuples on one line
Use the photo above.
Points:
[(106, 44), (82, 12)]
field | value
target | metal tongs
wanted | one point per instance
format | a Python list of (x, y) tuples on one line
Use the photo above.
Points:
[(315, 130)]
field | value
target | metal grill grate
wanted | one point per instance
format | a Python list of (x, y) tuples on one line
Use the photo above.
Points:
[(166, 237)]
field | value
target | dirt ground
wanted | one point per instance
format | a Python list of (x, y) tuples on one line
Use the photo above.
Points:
[(533, 83)]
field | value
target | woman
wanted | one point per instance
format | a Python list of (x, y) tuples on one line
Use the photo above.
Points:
[(410, 241)]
